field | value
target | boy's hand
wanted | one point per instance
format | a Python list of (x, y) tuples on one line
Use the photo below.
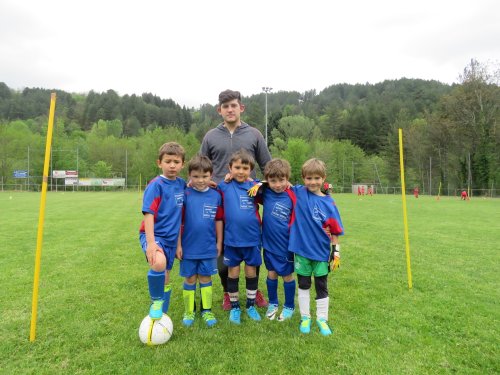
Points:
[(151, 250), (228, 177), (253, 191), (334, 257), (178, 253), (219, 249)]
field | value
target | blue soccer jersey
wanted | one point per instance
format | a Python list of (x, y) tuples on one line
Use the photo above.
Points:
[(312, 213), (276, 220), (201, 210), (241, 215), (163, 199)]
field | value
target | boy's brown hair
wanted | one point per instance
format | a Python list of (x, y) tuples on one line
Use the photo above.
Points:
[(244, 157), (314, 166), (171, 148), (200, 163), (228, 95), (277, 168)]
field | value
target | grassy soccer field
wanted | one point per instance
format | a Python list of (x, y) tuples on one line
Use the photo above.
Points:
[(93, 295)]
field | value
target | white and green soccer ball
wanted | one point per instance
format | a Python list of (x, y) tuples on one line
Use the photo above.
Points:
[(156, 332)]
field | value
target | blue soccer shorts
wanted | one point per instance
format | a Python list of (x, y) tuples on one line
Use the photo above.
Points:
[(203, 267), (168, 251), (282, 265), (233, 256)]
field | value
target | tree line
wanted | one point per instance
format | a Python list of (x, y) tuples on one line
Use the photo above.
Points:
[(449, 131)]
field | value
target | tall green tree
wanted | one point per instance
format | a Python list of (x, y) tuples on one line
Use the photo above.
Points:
[(296, 152), (472, 112), (296, 127)]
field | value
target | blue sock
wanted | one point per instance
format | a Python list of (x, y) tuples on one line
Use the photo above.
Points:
[(167, 291), (272, 291), (289, 294), (155, 284)]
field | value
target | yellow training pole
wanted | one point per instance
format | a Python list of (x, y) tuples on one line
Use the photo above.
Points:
[(405, 219), (41, 217)]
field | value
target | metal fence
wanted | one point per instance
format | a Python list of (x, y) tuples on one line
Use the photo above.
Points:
[(24, 185)]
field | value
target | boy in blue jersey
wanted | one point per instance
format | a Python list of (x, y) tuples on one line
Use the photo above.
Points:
[(315, 214), (241, 234), (278, 201), (201, 239), (162, 209)]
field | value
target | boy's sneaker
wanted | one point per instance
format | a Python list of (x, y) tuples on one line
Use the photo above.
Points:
[(188, 319), (156, 309), (235, 316), (305, 324), (260, 300), (226, 302), (209, 318), (271, 312), (286, 314), (253, 313), (324, 328)]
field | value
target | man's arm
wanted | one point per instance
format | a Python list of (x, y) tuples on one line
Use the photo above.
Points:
[(262, 154), (204, 151)]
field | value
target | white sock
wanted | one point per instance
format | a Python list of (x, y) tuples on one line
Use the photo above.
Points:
[(233, 297), (251, 294), (322, 308), (304, 302)]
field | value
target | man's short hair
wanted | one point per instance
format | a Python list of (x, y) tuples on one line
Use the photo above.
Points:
[(277, 168), (200, 163), (228, 95), (314, 166), (171, 148), (244, 157)]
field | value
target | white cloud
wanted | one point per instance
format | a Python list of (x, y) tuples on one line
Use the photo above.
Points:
[(189, 51)]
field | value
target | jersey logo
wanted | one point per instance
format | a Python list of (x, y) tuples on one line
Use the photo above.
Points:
[(179, 199), (246, 202), (318, 215), (281, 212), (209, 211)]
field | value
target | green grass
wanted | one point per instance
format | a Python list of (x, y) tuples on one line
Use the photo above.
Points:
[(93, 295)]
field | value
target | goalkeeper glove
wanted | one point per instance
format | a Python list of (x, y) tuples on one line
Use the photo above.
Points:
[(254, 190), (334, 257)]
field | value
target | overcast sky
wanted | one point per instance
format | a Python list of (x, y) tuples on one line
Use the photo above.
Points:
[(189, 51)]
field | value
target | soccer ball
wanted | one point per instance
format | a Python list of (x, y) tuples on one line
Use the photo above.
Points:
[(156, 332)]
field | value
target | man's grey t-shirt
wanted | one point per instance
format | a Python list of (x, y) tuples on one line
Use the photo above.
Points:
[(219, 144)]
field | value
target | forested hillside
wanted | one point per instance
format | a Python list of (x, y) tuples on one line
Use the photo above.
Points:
[(450, 131)]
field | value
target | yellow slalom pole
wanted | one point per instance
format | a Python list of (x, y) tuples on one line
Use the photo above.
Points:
[(41, 218), (405, 219)]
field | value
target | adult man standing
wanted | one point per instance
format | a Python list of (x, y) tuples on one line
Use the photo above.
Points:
[(219, 144)]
